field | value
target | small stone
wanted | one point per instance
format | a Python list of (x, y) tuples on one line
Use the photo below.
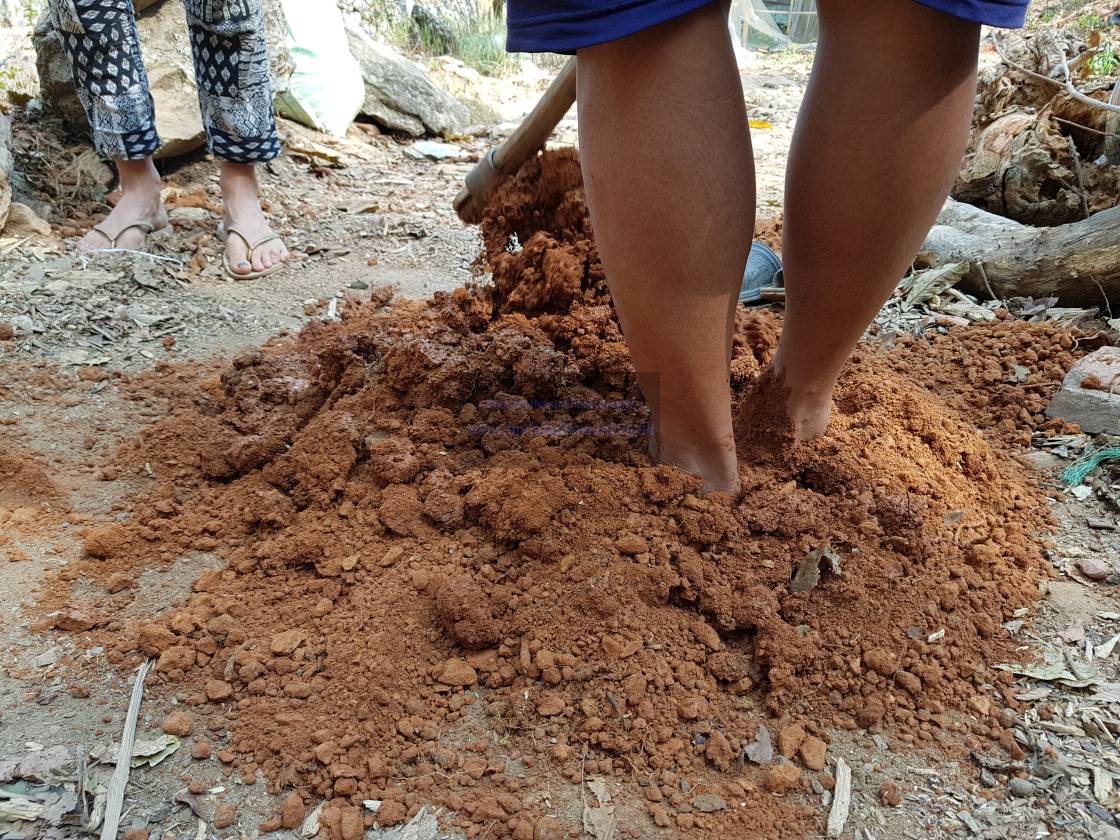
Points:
[(709, 803), (218, 690), (22, 221), (1020, 788), (46, 658), (1094, 410), (223, 815), (90, 373), (456, 672), (550, 707), (391, 812), (631, 544), (119, 581), (879, 661), (813, 751), (177, 723), (286, 642), (136, 834), (245, 357), (270, 825), (6, 331), (790, 739), (1094, 568), (292, 811), (351, 825), (201, 750), (890, 795), (361, 284), (782, 778)]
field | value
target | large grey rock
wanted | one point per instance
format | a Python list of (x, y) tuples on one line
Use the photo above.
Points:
[(400, 96), (6, 164), (167, 56), (1097, 408)]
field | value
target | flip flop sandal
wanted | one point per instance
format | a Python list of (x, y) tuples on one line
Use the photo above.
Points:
[(761, 276), (146, 227), (224, 234), (776, 291)]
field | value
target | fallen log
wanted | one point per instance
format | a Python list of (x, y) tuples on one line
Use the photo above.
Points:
[(1078, 263)]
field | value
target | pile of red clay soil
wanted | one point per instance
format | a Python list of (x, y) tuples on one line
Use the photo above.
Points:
[(423, 602)]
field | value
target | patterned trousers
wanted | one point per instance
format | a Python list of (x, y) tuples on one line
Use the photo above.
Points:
[(231, 70)]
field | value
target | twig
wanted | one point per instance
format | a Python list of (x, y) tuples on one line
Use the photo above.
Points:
[(1080, 180), (124, 757), (842, 799), (1067, 85), (1081, 127), (987, 285), (1107, 305)]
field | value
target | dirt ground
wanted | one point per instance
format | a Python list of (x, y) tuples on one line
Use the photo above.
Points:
[(370, 609)]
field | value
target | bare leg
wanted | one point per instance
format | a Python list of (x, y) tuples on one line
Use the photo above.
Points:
[(670, 186), (140, 187), (241, 201), (877, 146)]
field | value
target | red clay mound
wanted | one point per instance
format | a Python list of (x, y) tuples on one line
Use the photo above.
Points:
[(449, 582)]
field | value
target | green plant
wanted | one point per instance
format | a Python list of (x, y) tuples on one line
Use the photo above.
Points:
[(1087, 23), (30, 11), (472, 31), (1106, 62)]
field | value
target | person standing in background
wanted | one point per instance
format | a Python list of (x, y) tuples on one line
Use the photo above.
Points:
[(231, 71)]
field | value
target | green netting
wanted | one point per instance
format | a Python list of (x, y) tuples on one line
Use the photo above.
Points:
[(1075, 473)]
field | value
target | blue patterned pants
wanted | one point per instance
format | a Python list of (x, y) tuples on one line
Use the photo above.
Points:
[(231, 70)]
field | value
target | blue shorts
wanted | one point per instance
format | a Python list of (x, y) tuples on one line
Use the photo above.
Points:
[(565, 26)]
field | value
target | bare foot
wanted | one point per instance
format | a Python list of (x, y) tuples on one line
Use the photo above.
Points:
[(140, 203), (809, 413), (243, 211), (715, 465), (808, 404)]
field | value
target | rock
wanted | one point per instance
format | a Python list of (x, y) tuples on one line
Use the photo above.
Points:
[(194, 215), (631, 544), (813, 751), (6, 164), (1020, 788), (1093, 409), (879, 661), (285, 643), (782, 778), (456, 672), (790, 740), (218, 690), (177, 723), (292, 811), (22, 221), (350, 824), (400, 96), (1094, 568), (551, 706), (46, 658), (223, 815), (167, 56), (709, 802), (202, 751), (391, 812)]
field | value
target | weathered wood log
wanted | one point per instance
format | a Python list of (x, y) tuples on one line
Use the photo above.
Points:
[(1078, 263)]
